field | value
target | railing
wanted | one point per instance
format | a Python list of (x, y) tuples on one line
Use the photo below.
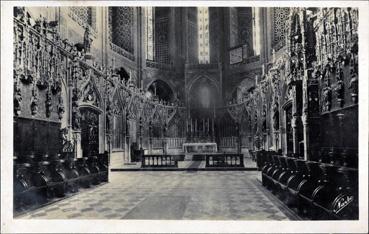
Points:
[(158, 161), (175, 143), (157, 143), (224, 160), (158, 65), (228, 142), (202, 66)]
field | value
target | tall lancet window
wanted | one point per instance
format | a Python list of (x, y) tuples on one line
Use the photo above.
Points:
[(203, 34), (149, 31), (256, 30)]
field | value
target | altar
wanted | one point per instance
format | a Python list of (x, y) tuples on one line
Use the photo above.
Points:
[(200, 147)]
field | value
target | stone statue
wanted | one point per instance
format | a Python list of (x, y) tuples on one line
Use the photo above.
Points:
[(87, 40), (76, 118), (327, 96)]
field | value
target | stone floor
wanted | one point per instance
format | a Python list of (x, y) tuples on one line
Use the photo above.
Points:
[(202, 195)]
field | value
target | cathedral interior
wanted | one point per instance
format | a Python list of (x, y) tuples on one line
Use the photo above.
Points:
[(220, 113)]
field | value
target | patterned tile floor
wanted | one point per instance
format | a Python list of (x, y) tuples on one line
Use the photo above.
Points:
[(212, 195)]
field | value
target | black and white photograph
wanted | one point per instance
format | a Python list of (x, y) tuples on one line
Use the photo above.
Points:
[(203, 112)]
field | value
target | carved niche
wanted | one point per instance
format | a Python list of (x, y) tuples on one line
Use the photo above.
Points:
[(326, 92), (276, 114), (89, 93)]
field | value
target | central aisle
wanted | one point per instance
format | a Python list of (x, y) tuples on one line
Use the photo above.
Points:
[(221, 195)]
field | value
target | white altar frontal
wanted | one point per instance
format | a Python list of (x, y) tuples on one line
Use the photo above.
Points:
[(201, 147)]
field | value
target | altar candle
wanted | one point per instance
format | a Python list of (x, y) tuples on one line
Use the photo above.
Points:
[(195, 127), (203, 126), (213, 128)]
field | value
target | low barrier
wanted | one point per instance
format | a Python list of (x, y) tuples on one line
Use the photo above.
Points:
[(159, 161), (224, 160)]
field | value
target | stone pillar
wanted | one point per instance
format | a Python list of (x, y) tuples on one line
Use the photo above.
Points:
[(164, 139), (150, 138), (140, 132), (310, 90), (127, 145)]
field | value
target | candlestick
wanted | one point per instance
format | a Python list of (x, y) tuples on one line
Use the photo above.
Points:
[(213, 129), (208, 126), (191, 128), (195, 127), (203, 126)]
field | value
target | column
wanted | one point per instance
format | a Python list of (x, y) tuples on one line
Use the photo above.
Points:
[(310, 90), (150, 138), (127, 145)]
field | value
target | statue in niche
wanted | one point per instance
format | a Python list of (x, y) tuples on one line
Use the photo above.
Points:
[(76, 114), (264, 118), (327, 96), (67, 143), (339, 89), (289, 94), (76, 118), (48, 103), (109, 114), (17, 99), (87, 40), (354, 86), (89, 94), (61, 108), (34, 100), (276, 115)]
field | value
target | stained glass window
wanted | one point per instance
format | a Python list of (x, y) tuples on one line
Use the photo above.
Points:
[(256, 30), (149, 31), (121, 27), (84, 15), (203, 34)]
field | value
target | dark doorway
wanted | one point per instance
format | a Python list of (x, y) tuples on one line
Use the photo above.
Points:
[(89, 132), (161, 90)]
